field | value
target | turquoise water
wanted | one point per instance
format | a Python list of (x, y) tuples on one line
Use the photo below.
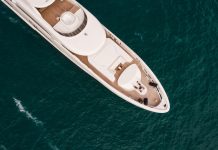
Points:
[(47, 103)]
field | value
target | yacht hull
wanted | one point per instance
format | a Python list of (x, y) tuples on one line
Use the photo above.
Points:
[(35, 26)]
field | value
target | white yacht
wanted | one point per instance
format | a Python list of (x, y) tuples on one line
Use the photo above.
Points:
[(76, 33)]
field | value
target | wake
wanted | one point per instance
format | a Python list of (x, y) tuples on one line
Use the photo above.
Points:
[(2, 147), (36, 121), (13, 20), (28, 115)]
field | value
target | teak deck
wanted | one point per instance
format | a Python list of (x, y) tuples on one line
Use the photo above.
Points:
[(53, 12)]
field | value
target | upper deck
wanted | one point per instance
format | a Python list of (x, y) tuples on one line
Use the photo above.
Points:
[(66, 17), (67, 21)]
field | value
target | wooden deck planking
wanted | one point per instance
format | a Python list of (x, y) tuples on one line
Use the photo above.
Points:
[(53, 12)]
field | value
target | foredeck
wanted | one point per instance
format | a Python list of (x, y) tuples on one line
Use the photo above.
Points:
[(152, 94)]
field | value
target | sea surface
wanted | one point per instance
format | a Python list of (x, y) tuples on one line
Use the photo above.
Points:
[(48, 103)]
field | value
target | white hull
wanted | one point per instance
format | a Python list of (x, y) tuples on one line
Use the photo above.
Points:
[(55, 42)]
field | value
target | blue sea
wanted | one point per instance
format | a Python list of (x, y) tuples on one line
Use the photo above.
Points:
[(48, 103)]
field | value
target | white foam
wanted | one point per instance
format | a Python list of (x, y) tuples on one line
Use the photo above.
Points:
[(13, 20), (28, 115), (35, 120), (52, 146), (140, 35), (2, 147)]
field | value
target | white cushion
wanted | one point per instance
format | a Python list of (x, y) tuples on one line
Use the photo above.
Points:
[(129, 77), (109, 55)]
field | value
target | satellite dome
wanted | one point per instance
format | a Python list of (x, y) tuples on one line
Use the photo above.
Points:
[(68, 18)]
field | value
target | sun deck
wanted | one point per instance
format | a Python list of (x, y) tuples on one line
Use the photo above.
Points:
[(53, 12)]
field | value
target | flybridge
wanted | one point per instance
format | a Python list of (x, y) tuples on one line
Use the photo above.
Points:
[(66, 17), (67, 22)]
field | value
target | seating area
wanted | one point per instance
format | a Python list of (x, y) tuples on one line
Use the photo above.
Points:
[(115, 70), (130, 80), (53, 12), (109, 58)]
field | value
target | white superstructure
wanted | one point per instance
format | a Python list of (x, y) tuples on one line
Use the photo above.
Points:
[(77, 34)]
